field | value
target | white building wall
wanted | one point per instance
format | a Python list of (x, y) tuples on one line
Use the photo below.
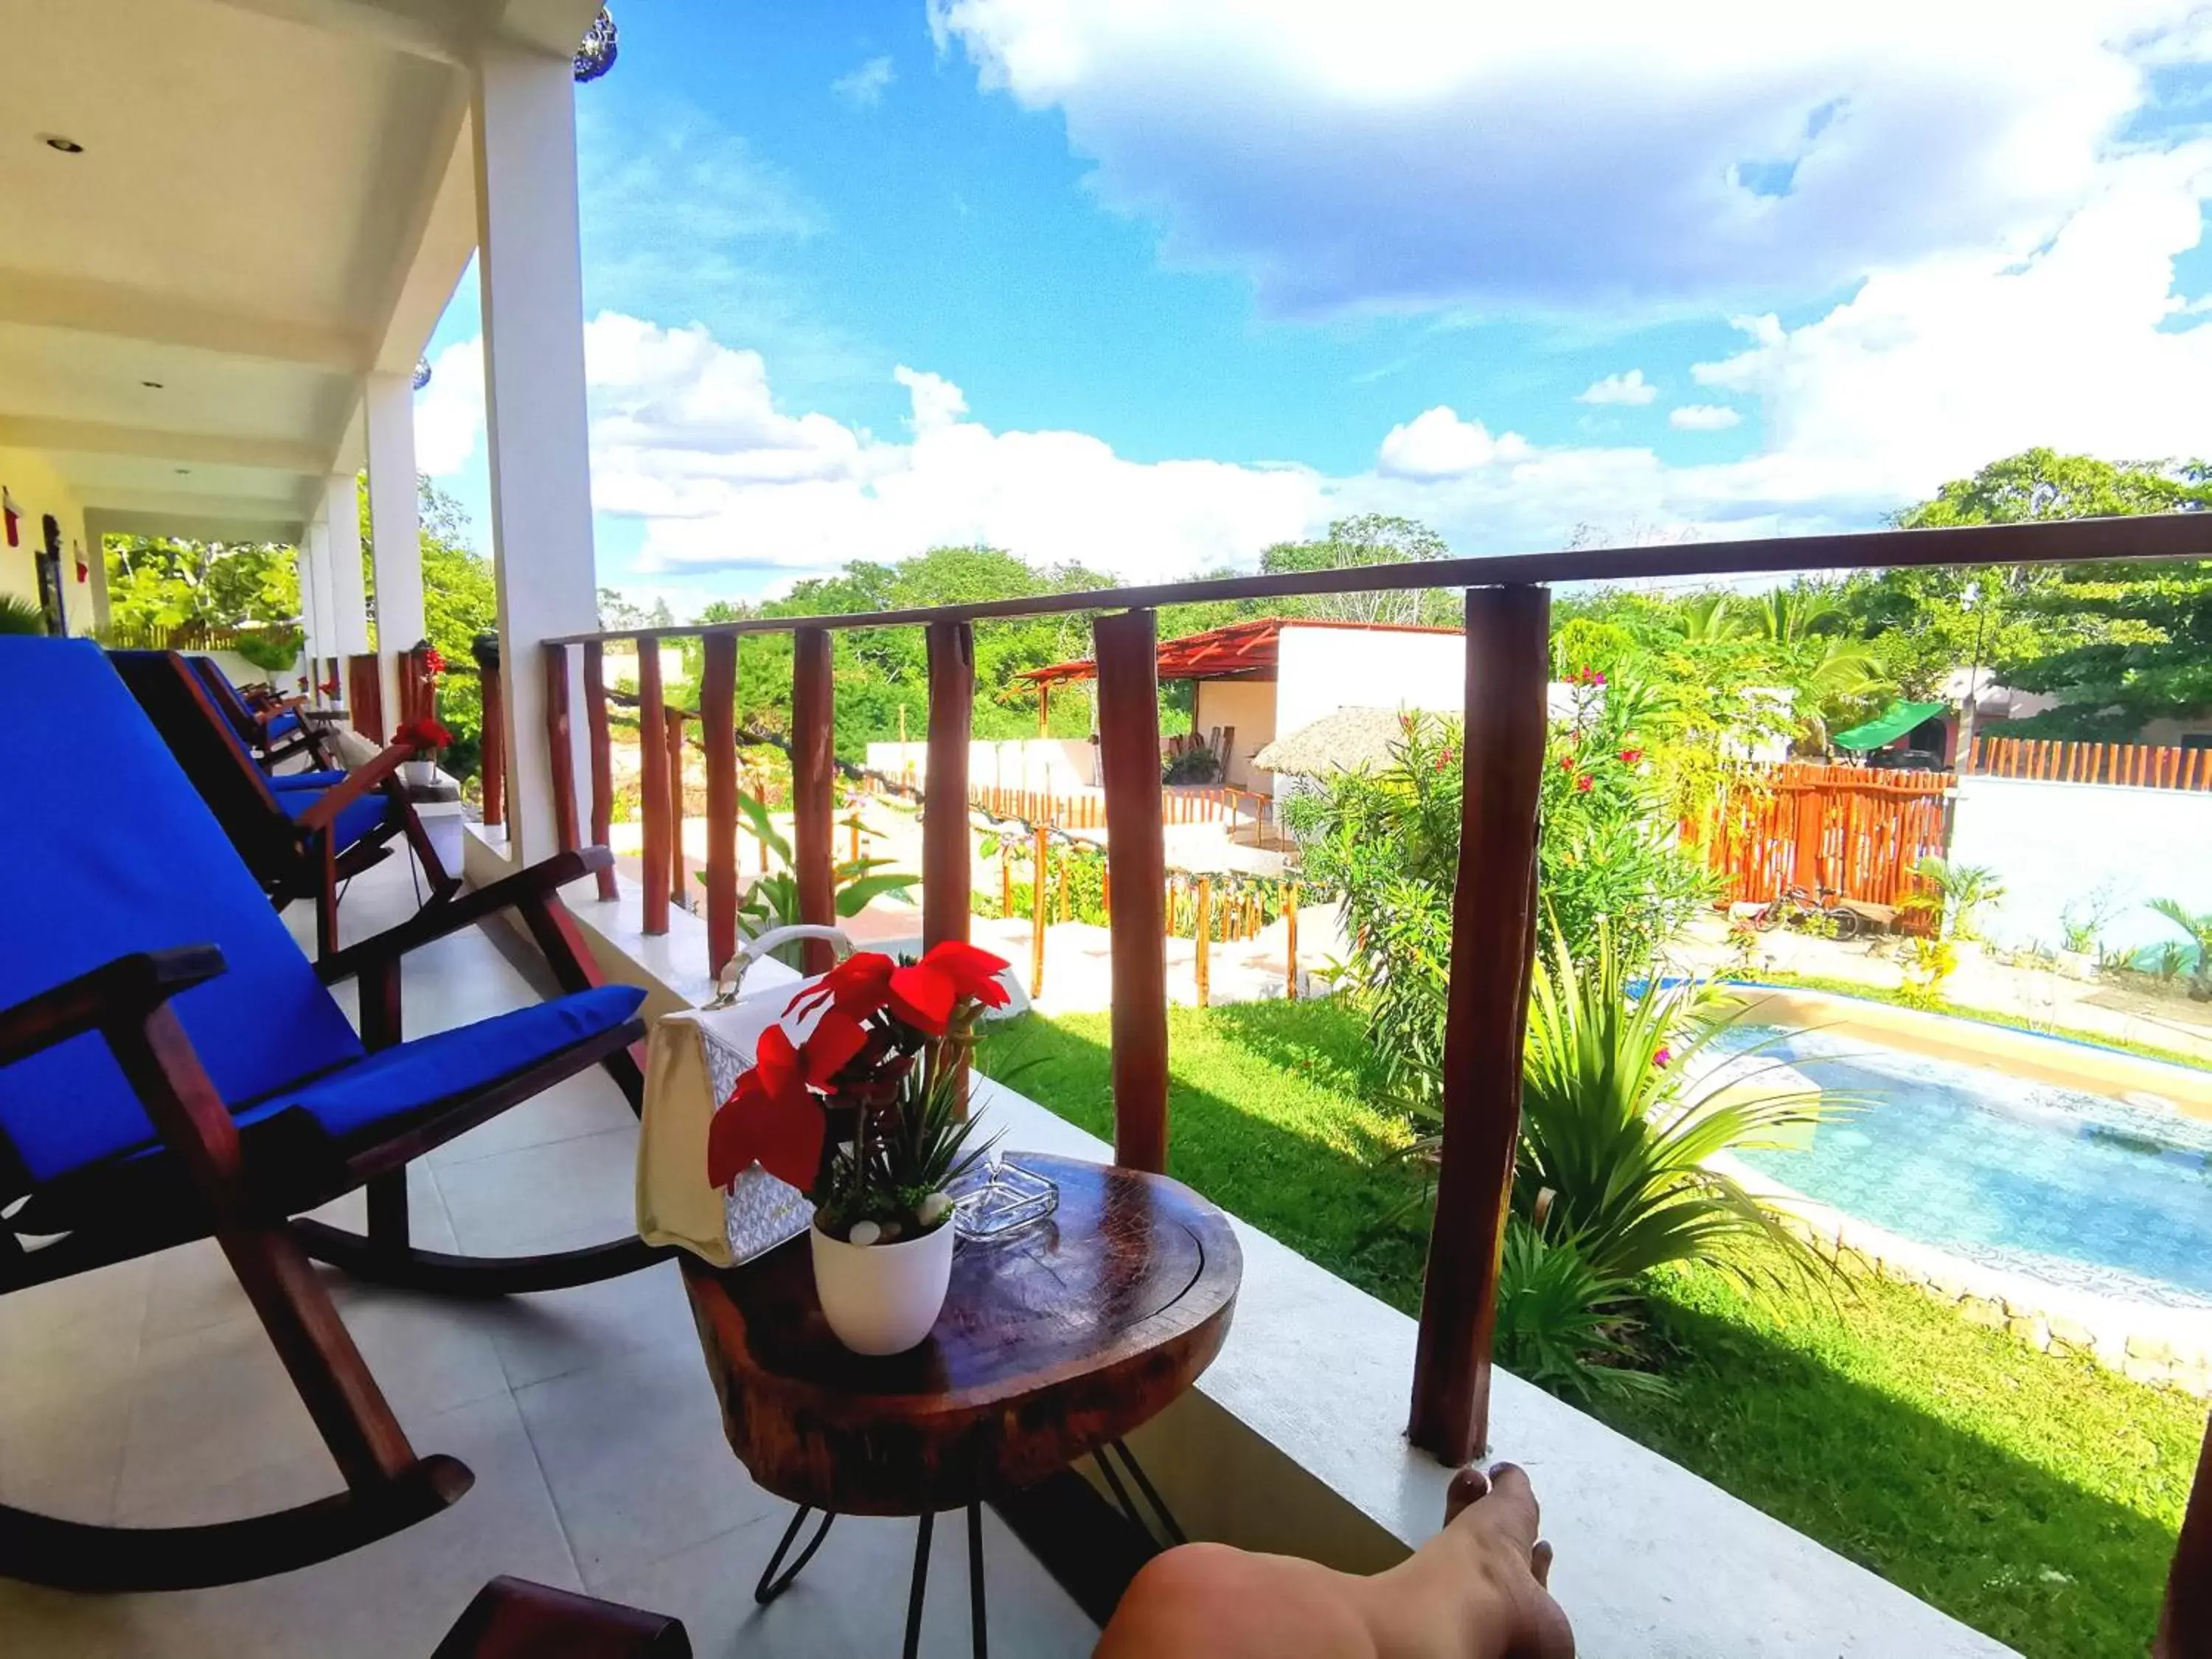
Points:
[(1248, 705), (1057, 766), (1319, 671), (2053, 844)]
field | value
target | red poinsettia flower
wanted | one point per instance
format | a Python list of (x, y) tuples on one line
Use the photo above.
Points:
[(427, 733), (857, 986), (839, 1039), (769, 1119), (923, 995), (330, 687)]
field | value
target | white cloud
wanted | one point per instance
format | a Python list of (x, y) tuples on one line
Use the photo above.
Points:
[(1437, 444), (449, 412), (1703, 418), (937, 402), (863, 88), (1405, 155), (1629, 388)]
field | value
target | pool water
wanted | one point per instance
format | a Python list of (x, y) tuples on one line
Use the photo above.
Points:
[(2083, 1188)]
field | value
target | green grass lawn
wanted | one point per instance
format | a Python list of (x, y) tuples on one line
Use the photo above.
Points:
[(2036, 1499)]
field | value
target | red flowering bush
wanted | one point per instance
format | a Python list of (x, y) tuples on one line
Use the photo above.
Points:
[(883, 1058), (426, 735)]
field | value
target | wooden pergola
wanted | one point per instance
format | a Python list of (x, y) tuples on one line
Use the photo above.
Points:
[(1508, 661)]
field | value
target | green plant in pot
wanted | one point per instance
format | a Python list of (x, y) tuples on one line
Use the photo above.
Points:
[(864, 1116), (21, 616), (2198, 924)]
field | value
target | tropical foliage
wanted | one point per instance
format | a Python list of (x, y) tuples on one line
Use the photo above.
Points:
[(1622, 1103), (21, 616), (2198, 924), (771, 900), (1960, 892), (1389, 841)]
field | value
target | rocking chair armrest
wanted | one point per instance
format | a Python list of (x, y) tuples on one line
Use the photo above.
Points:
[(541, 879), (127, 989), (370, 774)]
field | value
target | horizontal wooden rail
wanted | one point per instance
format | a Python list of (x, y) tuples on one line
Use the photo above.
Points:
[(2065, 541)]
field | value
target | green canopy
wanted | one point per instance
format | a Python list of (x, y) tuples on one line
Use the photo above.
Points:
[(1892, 723)]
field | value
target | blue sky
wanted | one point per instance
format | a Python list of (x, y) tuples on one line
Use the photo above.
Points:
[(1151, 287)]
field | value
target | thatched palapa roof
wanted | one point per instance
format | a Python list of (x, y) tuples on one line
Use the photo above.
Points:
[(1342, 741)]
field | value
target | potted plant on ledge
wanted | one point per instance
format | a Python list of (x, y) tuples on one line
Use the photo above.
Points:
[(865, 1117), (429, 738)]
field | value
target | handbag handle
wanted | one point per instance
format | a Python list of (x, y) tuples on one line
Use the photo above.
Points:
[(726, 982)]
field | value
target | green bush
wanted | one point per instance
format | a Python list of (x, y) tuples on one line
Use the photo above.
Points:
[(1388, 840), (1561, 1323)]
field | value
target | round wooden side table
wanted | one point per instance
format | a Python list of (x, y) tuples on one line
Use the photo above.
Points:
[(1055, 1342)]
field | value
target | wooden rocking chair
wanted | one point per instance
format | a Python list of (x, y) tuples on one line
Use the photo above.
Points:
[(302, 834), (172, 1068), (273, 729)]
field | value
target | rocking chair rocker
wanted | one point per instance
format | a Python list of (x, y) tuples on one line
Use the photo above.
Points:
[(302, 834), (172, 1068)]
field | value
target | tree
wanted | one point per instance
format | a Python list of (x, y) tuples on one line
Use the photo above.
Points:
[(2119, 644), (157, 581), (1370, 538)]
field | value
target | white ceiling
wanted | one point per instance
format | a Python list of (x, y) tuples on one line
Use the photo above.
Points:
[(274, 197)]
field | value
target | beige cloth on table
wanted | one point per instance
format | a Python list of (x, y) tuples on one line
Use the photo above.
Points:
[(692, 1062)]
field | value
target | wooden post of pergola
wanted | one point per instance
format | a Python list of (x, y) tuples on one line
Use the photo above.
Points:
[(1507, 665)]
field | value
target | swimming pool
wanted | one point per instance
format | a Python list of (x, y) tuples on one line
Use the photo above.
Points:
[(2078, 1188)]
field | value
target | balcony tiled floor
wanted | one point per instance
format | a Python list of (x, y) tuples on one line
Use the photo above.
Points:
[(146, 1394)]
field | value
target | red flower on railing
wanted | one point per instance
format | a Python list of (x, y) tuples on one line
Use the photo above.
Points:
[(434, 662), (330, 687), (425, 736)]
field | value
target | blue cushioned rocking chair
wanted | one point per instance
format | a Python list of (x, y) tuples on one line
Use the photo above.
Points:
[(275, 730), (302, 834), (172, 1068)]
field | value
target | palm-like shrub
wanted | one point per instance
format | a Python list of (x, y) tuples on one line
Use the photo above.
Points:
[(2198, 925), (1563, 1325), (1618, 1118), (21, 616), (1962, 892)]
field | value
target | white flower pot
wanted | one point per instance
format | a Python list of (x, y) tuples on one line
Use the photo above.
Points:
[(882, 1298), (419, 774)]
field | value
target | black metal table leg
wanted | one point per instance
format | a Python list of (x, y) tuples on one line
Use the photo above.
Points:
[(1174, 1528), (920, 1585), (770, 1585), (979, 1633)]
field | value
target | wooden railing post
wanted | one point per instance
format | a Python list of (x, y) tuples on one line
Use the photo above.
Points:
[(652, 788), (1493, 937), (365, 697), (812, 770), (1126, 645), (1290, 941), (946, 851), (718, 694), (2185, 1622), (677, 894), (603, 759), (493, 739), (561, 747)]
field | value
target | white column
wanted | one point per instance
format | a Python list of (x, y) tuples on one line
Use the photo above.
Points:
[(528, 264), (348, 586), (395, 528), (310, 622), (325, 643)]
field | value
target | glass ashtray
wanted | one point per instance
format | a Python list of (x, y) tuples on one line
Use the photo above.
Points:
[(998, 1197)]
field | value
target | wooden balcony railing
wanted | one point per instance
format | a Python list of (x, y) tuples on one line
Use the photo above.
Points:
[(1493, 913)]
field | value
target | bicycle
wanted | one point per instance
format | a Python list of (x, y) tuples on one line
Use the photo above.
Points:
[(1823, 905)]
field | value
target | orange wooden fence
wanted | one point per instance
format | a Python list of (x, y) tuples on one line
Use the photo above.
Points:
[(2057, 760), (1848, 828)]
